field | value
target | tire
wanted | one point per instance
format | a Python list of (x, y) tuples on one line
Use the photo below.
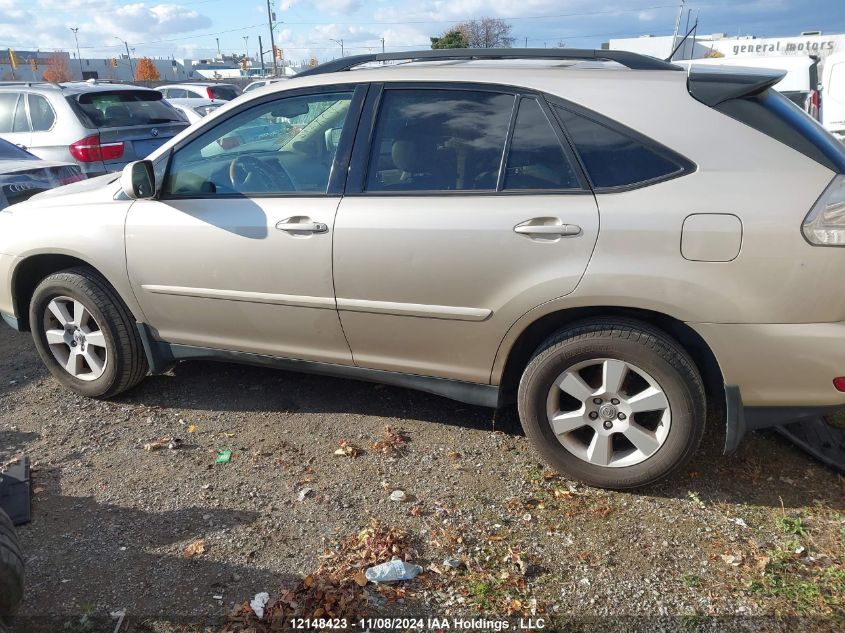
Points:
[(118, 348), (601, 452), (11, 570)]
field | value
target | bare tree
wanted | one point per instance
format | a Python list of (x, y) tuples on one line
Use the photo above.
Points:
[(486, 33)]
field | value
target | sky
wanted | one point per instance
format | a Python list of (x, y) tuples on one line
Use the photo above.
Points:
[(190, 28)]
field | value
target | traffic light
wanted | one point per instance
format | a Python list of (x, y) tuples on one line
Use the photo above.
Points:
[(114, 62), (278, 52), (13, 59), (244, 64), (33, 63), (313, 61)]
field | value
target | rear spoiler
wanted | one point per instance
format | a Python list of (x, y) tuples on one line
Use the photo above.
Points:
[(714, 85)]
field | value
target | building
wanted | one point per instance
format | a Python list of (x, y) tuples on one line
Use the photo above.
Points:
[(720, 45)]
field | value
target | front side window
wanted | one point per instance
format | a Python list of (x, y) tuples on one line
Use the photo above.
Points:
[(536, 159), (41, 113), (282, 146), (439, 140), (612, 158)]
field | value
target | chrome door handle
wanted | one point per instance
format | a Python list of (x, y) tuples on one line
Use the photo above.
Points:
[(565, 230), (302, 226)]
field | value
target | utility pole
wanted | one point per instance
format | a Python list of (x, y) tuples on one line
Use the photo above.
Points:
[(382, 45), (526, 42), (246, 46), (677, 26), (128, 56), (75, 30), (219, 54), (261, 54), (272, 40), (340, 43)]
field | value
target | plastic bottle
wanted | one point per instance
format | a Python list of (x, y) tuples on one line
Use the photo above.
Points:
[(392, 571)]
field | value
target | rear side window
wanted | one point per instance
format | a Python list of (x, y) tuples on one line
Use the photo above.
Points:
[(41, 113), (176, 93), (124, 108), (439, 140), (226, 93), (612, 158), (536, 159), (21, 123)]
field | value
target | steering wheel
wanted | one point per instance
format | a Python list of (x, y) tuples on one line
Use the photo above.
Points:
[(250, 174)]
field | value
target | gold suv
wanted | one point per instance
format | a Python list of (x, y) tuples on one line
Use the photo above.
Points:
[(605, 238)]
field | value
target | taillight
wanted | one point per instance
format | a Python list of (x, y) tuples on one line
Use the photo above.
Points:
[(825, 223), (89, 149), (814, 104), (209, 92), (839, 383)]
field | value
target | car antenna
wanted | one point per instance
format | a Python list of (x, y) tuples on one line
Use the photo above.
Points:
[(681, 43)]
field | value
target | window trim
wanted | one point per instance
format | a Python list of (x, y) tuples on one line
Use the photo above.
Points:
[(339, 166), (359, 166), (686, 166), (21, 104)]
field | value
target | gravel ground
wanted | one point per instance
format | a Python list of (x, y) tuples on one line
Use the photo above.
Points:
[(756, 534)]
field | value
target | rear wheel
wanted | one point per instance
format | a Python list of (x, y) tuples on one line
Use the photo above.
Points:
[(614, 403), (85, 334)]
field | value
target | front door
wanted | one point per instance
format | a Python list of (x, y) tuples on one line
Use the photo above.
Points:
[(236, 254), (470, 213)]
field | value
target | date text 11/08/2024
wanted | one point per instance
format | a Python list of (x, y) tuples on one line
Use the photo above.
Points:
[(478, 625)]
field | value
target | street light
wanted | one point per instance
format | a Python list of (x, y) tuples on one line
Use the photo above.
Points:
[(128, 56), (246, 46), (340, 43), (75, 30)]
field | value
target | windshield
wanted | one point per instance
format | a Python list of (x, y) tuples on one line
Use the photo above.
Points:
[(13, 152), (122, 108)]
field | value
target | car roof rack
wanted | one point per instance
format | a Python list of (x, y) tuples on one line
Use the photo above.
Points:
[(634, 61)]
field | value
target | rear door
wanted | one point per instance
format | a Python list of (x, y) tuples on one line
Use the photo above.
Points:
[(465, 211)]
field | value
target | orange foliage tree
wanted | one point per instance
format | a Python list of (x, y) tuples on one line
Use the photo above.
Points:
[(57, 69), (146, 70)]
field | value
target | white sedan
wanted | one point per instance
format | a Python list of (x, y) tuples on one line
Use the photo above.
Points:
[(195, 109)]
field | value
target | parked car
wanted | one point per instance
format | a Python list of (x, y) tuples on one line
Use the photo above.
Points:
[(99, 126), (260, 83), (200, 90), (195, 109), (22, 175), (598, 236)]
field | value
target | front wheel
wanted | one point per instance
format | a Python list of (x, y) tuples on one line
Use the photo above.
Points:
[(85, 334), (613, 403)]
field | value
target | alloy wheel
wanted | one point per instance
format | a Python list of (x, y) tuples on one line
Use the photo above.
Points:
[(609, 412), (75, 339)]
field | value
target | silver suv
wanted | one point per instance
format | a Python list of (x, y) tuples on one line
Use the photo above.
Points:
[(99, 126), (603, 238)]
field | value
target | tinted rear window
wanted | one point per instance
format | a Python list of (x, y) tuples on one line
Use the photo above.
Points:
[(226, 93), (123, 108), (613, 158), (536, 159), (439, 140), (775, 115)]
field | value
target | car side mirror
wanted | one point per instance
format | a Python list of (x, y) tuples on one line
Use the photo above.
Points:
[(138, 180)]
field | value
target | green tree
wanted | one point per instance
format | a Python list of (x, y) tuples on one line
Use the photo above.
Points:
[(453, 38)]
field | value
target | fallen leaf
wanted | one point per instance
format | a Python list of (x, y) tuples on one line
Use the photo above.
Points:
[(194, 549), (152, 446), (38, 490), (347, 450), (361, 579), (192, 428)]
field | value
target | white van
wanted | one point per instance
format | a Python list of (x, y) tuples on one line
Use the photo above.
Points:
[(833, 104)]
